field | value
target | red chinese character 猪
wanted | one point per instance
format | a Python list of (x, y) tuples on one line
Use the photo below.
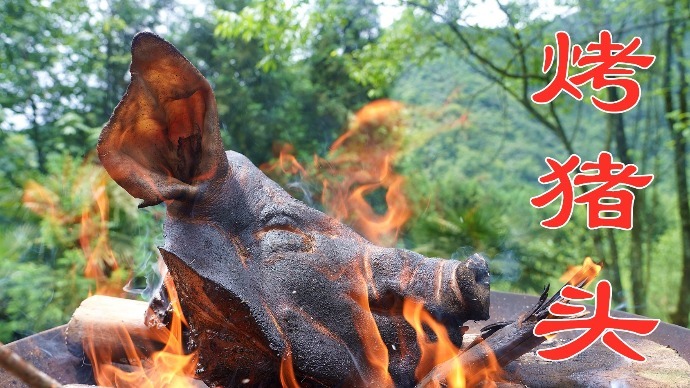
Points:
[(563, 188), (606, 207), (603, 59), (623, 199), (601, 325)]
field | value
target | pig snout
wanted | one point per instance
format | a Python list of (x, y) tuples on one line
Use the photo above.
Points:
[(473, 281)]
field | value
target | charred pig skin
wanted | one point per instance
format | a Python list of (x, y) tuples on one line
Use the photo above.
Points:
[(260, 275)]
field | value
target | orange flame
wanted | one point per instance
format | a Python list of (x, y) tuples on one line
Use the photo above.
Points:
[(437, 349), (488, 374), (100, 260), (375, 350), (586, 272), (362, 160), (359, 164), (169, 367), (85, 211), (287, 371), (433, 352), (287, 162), (583, 274)]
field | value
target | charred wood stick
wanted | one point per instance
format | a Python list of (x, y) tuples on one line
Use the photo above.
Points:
[(106, 322), (26, 372), (500, 347), (499, 343)]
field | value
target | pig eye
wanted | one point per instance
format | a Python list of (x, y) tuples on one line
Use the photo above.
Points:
[(277, 220), (280, 226), (280, 231), (280, 221), (280, 237), (273, 216)]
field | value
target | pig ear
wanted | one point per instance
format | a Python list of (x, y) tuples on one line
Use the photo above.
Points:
[(163, 139)]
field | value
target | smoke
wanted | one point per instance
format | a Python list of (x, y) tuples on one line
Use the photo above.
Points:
[(301, 190), (148, 276), (504, 267)]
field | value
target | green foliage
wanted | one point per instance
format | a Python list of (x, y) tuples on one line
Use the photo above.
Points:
[(400, 47), (273, 23), (48, 250), (36, 296), (279, 73), (457, 215)]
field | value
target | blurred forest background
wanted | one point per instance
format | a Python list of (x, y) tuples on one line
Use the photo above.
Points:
[(288, 79)]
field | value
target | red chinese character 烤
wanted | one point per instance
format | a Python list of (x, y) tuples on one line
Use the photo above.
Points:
[(610, 174), (607, 206), (603, 59), (563, 188), (600, 325)]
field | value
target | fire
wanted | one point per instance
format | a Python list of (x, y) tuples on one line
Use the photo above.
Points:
[(375, 349), (286, 162), (100, 259), (169, 367), (438, 349), (437, 352), (582, 275), (360, 163), (81, 220), (287, 371), (586, 272), (433, 352)]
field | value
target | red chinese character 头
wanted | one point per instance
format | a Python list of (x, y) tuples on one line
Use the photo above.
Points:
[(563, 188), (607, 206), (600, 325), (603, 59), (609, 175)]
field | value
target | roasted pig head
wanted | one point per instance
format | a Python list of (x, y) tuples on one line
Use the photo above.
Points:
[(263, 278)]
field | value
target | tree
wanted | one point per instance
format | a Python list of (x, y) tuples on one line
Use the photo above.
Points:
[(510, 57), (64, 71), (291, 71), (678, 123), (339, 29), (35, 50)]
